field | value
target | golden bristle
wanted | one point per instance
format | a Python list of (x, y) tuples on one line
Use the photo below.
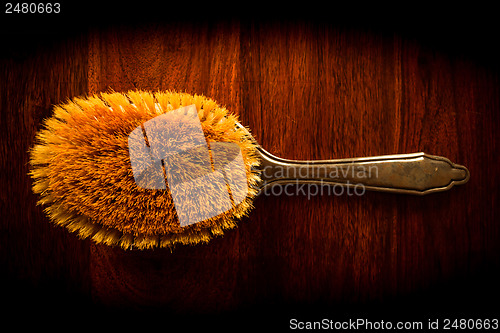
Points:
[(81, 169)]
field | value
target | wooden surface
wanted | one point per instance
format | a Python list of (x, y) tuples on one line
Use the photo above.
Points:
[(307, 90)]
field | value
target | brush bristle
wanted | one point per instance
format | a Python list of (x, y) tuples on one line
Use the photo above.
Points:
[(82, 171)]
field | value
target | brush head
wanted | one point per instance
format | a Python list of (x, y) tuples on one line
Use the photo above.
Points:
[(82, 169)]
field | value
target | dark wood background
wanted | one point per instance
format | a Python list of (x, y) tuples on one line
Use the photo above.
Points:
[(308, 89)]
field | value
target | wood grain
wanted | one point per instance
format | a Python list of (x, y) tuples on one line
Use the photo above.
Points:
[(38, 260), (308, 91)]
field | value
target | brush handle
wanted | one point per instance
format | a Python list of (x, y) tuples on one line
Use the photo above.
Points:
[(417, 173)]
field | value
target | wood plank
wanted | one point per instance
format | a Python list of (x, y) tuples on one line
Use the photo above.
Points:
[(196, 58), (39, 261)]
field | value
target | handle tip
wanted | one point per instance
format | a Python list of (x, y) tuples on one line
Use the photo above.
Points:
[(460, 174)]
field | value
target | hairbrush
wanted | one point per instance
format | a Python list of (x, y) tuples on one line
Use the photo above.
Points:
[(155, 169)]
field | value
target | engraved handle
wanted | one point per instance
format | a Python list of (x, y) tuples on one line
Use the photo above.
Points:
[(417, 173)]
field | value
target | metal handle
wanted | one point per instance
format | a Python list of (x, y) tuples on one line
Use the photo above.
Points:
[(417, 173)]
